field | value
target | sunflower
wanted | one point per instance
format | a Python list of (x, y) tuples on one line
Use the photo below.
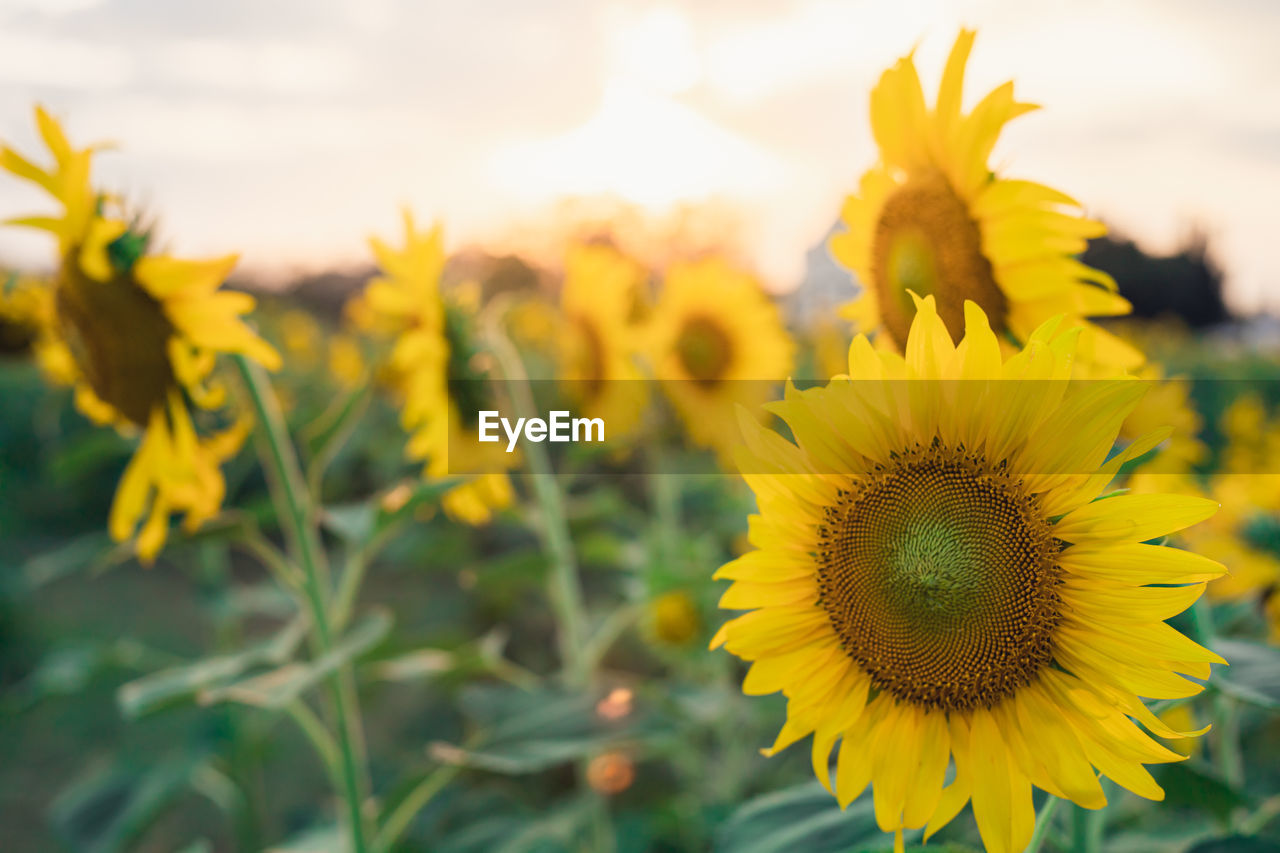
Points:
[(346, 361), (301, 338), (932, 217), (1248, 490), (25, 311), (1166, 403), (717, 341), (28, 327), (936, 581), (674, 619), (598, 344), (437, 367), (143, 332)]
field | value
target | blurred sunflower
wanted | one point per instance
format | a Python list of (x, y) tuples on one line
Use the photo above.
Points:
[(1166, 403), (346, 361), (28, 327), (830, 342), (438, 369), (674, 619), (143, 332), (1247, 486), (932, 217), (717, 341), (937, 580), (598, 345), (301, 337), (26, 309)]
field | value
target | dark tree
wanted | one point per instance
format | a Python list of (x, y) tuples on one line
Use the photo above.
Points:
[(1186, 284)]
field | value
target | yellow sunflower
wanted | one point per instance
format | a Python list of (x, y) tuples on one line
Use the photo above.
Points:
[(717, 341), (301, 338), (673, 618), (597, 348), (830, 342), (1166, 403), (437, 368), (143, 332), (932, 217), (28, 326), (936, 581), (1248, 489), (346, 361), (26, 309)]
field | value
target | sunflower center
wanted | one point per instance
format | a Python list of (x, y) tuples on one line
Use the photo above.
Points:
[(927, 242), (705, 351), (118, 335), (939, 576)]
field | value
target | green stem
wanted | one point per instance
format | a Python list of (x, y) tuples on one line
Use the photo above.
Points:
[(403, 814), (1086, 830), (1264, 814), (564, 584), (320, 739), (270, 557), (1227, 741), (349, 583), (340, 422), (1043, 821), (607, 634), (243, 765), (664, 487), (300, 529), (1226, 728)]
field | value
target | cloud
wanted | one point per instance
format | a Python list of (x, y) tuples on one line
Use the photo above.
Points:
[(259, 67), (295, 127), (29, 58)]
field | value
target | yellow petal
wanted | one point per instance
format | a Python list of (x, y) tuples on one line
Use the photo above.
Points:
[(1133, 518)]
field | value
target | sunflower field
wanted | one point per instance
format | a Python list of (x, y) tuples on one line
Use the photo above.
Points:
[(613, 554)]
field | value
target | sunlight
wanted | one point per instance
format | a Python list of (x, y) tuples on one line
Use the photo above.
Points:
[(655, 50), (643, 146)]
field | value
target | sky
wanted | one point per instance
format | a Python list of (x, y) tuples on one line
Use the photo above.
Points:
[(292, 130)]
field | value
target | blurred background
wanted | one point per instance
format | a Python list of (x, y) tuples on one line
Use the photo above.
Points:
[(291, 131)]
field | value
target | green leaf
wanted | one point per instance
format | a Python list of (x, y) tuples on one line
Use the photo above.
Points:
[(278, 687), (352, 523), (85, 453), (415, 665), (70, 670), (107, 809), (319, 839), (88, 553), (422, 492), (159, 689), (1236, 844), (200, 845), (804, 817), (1193, 785), (530, 730), (359, 522), (324, 436), (1254, 673)]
